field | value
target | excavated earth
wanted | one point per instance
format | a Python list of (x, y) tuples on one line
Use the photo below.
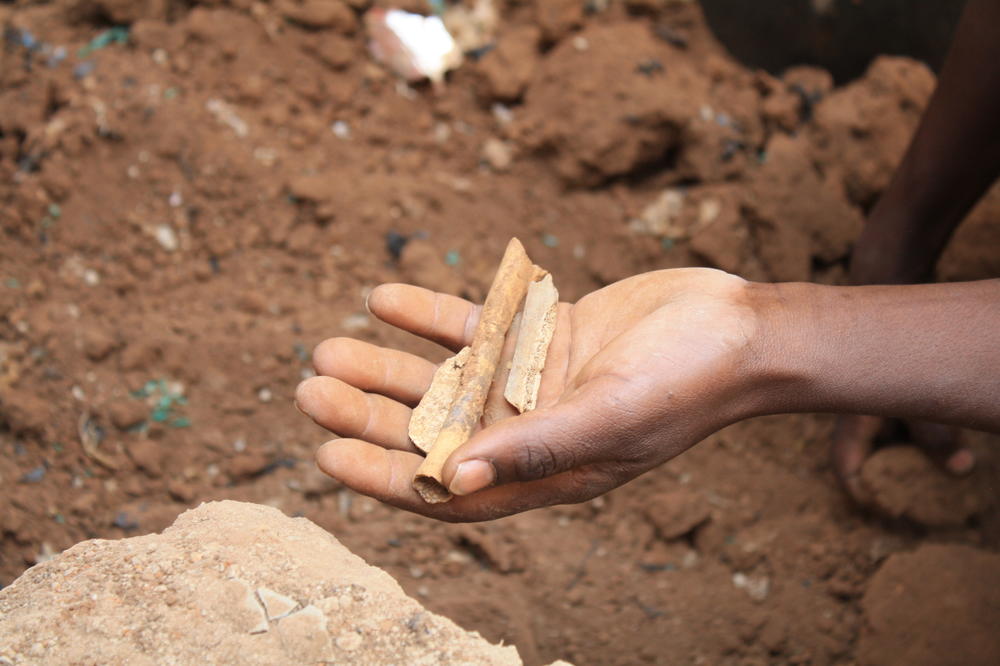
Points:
[(188, 206)]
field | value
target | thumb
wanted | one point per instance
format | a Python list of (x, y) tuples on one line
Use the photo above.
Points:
[(542, 443)]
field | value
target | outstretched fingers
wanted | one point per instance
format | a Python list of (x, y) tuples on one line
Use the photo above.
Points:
[(447, 320), (387, 475)]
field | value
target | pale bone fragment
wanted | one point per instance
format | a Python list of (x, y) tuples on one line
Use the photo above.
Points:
[(497, 408), (502, 302), (429, 415), (538, 323), (276, 605)]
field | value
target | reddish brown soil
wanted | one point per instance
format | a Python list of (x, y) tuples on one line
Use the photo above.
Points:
[(145, 240)]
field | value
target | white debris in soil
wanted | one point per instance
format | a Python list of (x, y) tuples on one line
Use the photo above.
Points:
[(341, 130), (355, 322), (412, 45), (661, 217), (497, 154), (757, 587), (265, 395), (225, 114), (166, 237), (502, 114)]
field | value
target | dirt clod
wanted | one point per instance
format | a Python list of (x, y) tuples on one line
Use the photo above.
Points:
[(142, 593), (937, 605)]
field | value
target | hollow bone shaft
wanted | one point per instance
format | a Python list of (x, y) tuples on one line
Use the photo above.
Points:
[(505, 296)]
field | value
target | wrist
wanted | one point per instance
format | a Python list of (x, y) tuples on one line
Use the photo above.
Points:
[(785, 349)]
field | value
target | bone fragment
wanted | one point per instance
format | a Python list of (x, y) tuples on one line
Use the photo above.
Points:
[(537, 326), (505, 296), (429, 415)]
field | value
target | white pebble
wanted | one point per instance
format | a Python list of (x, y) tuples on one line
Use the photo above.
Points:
[(166, 237), (341, 130)]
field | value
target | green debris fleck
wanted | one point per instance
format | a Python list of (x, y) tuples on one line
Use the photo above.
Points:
[(549, 240), (116, 35), (300, 351), (667, 244), (452, 258), (55, 211), (164, 402), (59, 518), (57, 447), (171, 93), (12, 283), (181, 422)]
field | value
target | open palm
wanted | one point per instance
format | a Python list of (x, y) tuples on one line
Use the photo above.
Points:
[(637, 372)]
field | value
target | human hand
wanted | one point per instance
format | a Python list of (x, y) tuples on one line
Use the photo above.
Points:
[(636, 373)]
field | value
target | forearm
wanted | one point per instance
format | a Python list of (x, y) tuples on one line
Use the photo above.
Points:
[(953, 157), (927, 352)]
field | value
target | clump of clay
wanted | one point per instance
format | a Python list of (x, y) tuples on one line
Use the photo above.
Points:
[(903, 483), (937, 605), (228, 583)]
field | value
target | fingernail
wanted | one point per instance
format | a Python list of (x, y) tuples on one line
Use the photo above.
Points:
[(472, 475)]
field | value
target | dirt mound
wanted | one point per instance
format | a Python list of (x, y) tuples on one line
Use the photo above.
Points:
[(937, 605), (228, 583)]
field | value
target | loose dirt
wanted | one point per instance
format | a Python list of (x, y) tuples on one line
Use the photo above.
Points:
[(186, 215)]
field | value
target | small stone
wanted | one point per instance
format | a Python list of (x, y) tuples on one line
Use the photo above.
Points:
[(497, 154), (341, 130), (677, 513), (276, 605), (265, 395), (98, 344), (757, 587), (661, 217), (166, 237), (127, 413), (147, 456), (355, 322)]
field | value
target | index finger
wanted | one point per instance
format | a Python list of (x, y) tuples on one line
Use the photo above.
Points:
[(447, 320)]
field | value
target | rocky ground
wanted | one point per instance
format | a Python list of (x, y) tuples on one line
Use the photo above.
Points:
[(188, 206)]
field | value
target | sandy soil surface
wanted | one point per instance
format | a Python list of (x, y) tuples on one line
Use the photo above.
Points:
[(186, 214)]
